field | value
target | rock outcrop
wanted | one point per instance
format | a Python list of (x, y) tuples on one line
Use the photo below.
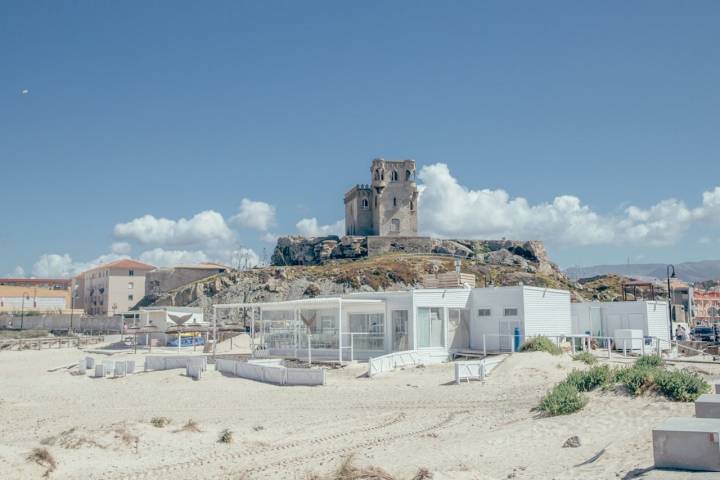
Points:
[(296, 250), (528, 255)]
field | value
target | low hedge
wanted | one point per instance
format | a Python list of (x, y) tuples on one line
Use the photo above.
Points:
[(646, 374), (586, 357), (563, 399), (540, 344), (590, 379), (681, 385)]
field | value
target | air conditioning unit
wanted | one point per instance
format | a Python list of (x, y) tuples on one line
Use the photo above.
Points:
[(627, 339)]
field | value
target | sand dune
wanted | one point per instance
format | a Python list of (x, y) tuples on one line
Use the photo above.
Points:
[(100, 429)]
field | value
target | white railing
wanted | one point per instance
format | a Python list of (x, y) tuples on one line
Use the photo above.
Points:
[(391, 361), (476, 369), (271, 371)]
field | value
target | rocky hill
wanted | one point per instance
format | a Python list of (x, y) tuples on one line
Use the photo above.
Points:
[(498, 263), (701, 271)]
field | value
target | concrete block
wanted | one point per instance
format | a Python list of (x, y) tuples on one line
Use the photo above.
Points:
[(99, 370), (194, 370), (89, 362), (273, 374), (708, 406), (120, 369), (716, 386), (109, 367), (688, 444), (305, 376), (130, 366), (82, 366)]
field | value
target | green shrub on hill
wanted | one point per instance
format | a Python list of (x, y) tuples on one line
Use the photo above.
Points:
[(651, 361), (563, 399), (587, 380), (681, 385), (540, 344), (585, 357)]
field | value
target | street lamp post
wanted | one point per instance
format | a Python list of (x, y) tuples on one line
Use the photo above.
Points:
[(670, 311), (22, 311), (72, 306)]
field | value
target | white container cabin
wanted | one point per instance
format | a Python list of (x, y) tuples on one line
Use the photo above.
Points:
[(435, 322), (533, 311), (603, 319)]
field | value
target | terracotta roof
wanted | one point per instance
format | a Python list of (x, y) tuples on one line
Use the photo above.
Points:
[(127, 263), (203, 266)]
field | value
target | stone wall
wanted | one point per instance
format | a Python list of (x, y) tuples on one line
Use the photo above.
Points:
[(62, 322)]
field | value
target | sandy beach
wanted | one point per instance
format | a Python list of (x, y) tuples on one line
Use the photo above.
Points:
[(402, 421)]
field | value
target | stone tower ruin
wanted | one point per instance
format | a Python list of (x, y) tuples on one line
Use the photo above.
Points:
[(386, 207)]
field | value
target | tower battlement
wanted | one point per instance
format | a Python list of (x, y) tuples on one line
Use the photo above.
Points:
[(388, 205)]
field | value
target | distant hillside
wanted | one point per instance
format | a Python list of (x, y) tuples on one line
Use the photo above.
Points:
[(688, 271)]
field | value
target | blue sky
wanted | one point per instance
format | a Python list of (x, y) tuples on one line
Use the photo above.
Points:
[(143, 111)]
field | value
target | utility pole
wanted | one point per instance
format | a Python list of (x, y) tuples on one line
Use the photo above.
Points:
[(22, 311), (670, 311)]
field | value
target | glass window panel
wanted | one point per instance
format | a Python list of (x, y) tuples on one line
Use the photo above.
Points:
[(423, 327), (436, 328), (400, 330)]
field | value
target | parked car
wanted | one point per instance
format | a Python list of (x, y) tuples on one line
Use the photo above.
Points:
[(703, 334)]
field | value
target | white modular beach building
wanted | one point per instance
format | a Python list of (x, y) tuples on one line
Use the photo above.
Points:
[(602, 319), (434, 322)]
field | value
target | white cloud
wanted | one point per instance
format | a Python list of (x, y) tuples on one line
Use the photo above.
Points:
[(170, 258), (269, 237), (256, 215), (205, 228), (710, 209), (18, 272), (121, 248), (53, 265), (450, 209), (309, 227), (243, 258)]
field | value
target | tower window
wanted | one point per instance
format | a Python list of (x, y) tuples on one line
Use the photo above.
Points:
[(393, 176), (377, 174), (395, 225), (408, 175), (412, 206), (394, 201), (364, 204)]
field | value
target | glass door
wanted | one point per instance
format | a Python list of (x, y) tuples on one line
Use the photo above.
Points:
[(400, 330)]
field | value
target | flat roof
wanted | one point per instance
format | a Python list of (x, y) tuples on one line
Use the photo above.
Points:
[(317, 301), (174, 309)]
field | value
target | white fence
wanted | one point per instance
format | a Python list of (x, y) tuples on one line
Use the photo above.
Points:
[(391, 361), (168, 362), (476, 369), (271, 371)]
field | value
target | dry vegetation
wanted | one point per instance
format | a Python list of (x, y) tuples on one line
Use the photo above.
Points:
[(226, 436), (160, 422), (190, 426), (348, 470), (44, 458)]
